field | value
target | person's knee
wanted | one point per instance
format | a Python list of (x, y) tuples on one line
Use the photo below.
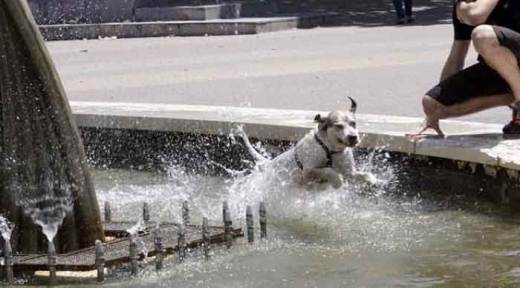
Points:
[(484, 40), (432, 108)]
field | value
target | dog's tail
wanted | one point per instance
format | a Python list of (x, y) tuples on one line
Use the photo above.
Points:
[(255, 154)]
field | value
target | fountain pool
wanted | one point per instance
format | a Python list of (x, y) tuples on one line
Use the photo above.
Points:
[(329, 238)]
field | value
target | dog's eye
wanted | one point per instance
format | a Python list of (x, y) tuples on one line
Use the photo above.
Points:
[(339, 126), (352, 124)]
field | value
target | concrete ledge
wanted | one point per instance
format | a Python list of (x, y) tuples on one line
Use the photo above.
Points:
[(183, 28), (205, 12), (182, 13), (170, 3), (467, 142)]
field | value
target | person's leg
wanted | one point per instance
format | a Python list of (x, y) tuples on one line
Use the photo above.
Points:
[(471, 90), (398, 6), (435, 111), (500, 48), (500, 58), (471, 106), (408, 10)]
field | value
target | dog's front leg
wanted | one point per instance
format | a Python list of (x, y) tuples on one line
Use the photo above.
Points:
[(324, 174), (345, 165)]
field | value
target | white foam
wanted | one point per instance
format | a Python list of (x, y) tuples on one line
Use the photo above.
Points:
[(6, 228)]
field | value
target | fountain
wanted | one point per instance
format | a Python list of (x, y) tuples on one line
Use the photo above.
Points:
[(45, 178), (327, 239)]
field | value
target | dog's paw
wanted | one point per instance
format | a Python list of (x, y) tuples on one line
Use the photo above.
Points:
[(368, 178)]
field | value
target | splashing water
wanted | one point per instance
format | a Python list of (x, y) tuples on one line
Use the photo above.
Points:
[(6, 228), (139, 226), (323, 237), (288, 199), (48, 210), (134, 236), (163, 192)]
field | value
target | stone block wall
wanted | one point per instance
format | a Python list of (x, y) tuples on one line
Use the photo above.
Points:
[(48, 12)]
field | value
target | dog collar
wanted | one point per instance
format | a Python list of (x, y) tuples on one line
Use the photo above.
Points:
[(298, 162), (327, 151)]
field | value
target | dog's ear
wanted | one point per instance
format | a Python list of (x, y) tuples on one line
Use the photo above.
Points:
[(353, 105), (322, 122)]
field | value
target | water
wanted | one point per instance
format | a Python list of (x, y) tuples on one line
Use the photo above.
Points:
[(328, 238), (134, 236), (6, 228), (46, 205)]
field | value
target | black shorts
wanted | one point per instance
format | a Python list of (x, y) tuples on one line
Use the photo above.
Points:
[(478, 80)]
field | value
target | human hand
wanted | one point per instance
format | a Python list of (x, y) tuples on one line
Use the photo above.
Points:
[(427, 124)]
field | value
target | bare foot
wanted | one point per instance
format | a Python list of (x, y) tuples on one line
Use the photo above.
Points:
[(427, 124)]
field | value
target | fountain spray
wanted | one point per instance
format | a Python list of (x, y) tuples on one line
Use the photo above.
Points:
[(5, 229)]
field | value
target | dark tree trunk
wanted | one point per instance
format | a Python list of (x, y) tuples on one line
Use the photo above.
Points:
[(42, 162)]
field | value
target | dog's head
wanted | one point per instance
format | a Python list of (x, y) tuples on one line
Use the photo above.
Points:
[(340, 127)]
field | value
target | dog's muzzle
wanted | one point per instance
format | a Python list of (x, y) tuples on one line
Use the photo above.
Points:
[(350, 141)]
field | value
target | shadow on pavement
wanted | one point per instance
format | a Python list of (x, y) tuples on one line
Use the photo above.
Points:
[(371, 13)]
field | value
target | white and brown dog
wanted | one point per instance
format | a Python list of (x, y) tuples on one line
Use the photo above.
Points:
[(323, 155)]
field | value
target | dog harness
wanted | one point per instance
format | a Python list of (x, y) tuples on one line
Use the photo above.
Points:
[(327, 150)]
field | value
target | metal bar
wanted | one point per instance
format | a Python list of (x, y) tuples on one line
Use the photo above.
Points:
[(185, 213), (159, 249), (182, 243), (8, 258), (225, 208), (52, 263), (206, 238), (100, 261), (228, 229), (133, 254), (263, 220), (108, 212), (146, 212), (250, 225)]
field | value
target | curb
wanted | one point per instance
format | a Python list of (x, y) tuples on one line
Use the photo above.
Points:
[(467, 142)]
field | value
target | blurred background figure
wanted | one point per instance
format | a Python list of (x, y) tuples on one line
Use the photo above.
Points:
[(403, 15)]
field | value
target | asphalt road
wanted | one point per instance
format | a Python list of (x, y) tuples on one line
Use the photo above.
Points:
[(386, 69)]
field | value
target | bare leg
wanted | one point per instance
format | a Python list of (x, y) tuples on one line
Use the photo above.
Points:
[(436, 111), (476, 105), (497, 57)]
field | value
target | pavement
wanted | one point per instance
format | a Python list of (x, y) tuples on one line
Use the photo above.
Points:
[(386, 69)]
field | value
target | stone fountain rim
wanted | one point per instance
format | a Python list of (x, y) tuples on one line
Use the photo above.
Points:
[(472, 142)]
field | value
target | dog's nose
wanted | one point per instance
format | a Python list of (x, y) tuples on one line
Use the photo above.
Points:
[(352, 138)]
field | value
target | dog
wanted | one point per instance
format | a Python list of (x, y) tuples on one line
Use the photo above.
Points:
[(323, 155)]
